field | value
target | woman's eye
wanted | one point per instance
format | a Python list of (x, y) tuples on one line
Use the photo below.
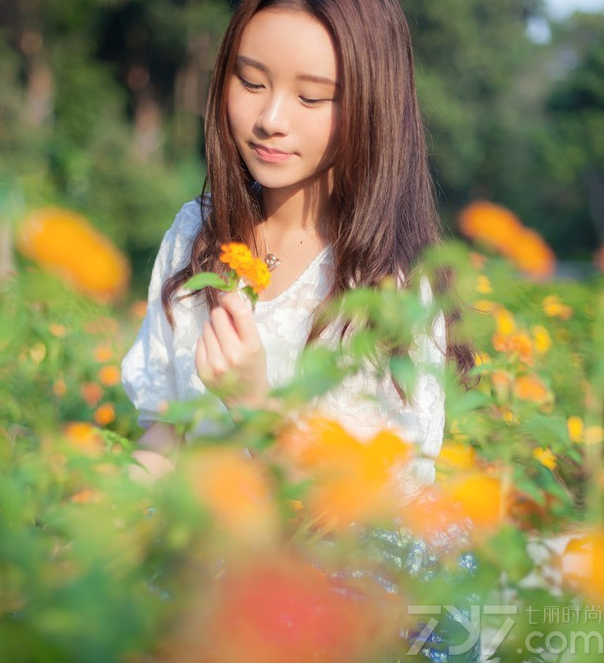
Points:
[(250, 86), (311, 102)]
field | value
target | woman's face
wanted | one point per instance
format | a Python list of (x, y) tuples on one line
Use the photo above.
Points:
[(283, 99)]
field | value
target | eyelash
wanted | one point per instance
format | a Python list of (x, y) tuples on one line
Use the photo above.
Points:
[(254, 87)]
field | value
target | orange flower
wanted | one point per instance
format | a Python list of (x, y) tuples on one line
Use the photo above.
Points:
[(91, 393), (59, 387), (109, 376), (354, 480), (532, 255), (240, 259), (581, 564), (530, 388), (83, 436), (65, 243), (554, 308), (102, 353), (431, 513), (105, 414), (236, 492), (491, 224), (481, 498), (501, 230)]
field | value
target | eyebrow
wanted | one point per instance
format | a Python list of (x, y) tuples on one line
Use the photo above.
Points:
[(242, 59)]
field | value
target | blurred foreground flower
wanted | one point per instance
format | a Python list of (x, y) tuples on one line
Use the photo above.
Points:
[(243, 265), (581, 564), (237, 494), (502, 231), (283, 610), (65, 243), (355, 481)]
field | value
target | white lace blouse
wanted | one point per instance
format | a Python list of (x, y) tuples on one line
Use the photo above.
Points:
[(160, 367)]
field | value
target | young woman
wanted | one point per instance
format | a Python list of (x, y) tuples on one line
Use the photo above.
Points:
[(317, 160)]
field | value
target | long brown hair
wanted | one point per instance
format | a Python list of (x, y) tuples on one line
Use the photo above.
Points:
[(381, 213)]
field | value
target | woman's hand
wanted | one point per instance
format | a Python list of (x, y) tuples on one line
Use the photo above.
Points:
[(230, 355)]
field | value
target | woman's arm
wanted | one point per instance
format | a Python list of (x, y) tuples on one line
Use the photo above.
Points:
[(157, 444)]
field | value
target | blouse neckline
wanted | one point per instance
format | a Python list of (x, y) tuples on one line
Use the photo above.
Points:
[(265, 304)]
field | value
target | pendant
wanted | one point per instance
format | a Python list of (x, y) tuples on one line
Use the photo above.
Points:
[(272, 262)]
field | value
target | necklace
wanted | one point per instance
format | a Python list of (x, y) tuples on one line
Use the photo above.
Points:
[(271, 260)]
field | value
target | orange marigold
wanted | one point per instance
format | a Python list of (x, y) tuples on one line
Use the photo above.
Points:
[(530, 388), (109, 375), (83, 436), (236, 492), (501, 230), (91, 392), (481, 498), (554, 308), (240, 259), (581, 564), (355, 479), (65, 243), (105, 414)]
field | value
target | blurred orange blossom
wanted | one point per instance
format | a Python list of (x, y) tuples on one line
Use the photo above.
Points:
[(354, 480), (501, 230), (236, 492), (581, 564), (65, 243)]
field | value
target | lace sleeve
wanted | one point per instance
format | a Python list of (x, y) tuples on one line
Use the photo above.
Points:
[(148, 373)]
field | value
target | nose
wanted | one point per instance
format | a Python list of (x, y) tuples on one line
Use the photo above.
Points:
[(273, 118)]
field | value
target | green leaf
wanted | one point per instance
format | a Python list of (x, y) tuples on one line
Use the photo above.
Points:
[(206, 279)]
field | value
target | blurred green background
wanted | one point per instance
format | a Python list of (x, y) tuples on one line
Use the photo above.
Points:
[(101, 107)]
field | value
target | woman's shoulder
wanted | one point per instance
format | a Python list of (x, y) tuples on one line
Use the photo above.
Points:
[(175, 250), (191, 216)]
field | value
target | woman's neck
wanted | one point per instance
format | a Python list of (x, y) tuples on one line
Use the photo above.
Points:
[(289, 213)]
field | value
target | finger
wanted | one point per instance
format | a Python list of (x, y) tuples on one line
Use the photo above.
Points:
[(243, 318), (201, 360), (224, 329), (216, 361)]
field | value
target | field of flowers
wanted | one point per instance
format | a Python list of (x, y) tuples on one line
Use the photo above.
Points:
[(300, 550)]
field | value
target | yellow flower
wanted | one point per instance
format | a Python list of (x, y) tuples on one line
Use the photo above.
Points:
[(505, 322), (554, 308), (64, 242), (542, 339), (546, 457), (240, 259), (575, 429), (483, 285)]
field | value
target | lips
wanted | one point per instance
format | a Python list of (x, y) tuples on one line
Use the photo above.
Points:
[(270, 154)]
